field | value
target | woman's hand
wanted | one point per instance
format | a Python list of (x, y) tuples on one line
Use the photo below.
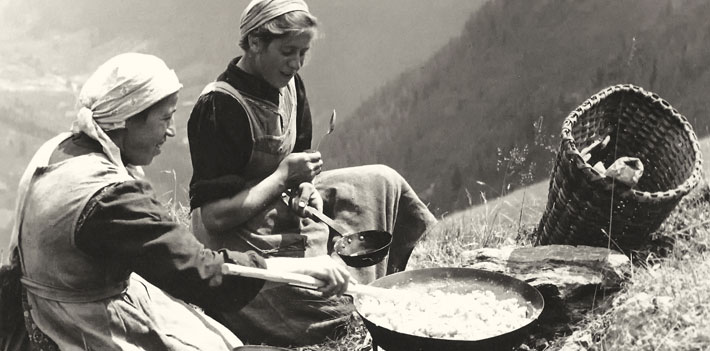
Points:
[(300, 167), (306, 194), (334, 276)]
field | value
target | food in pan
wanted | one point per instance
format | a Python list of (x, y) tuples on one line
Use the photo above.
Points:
[(472, 315)]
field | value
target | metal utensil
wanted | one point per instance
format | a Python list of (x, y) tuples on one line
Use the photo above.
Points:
[(331, 128), (359, 249)]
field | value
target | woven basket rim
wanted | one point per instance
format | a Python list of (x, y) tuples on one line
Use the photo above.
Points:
[(569, 147)]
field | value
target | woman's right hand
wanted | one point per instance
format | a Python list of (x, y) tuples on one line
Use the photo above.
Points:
[(305, 195), (300, 167), (333, 274)]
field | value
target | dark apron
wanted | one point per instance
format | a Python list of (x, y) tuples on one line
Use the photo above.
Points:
[(284, 315)]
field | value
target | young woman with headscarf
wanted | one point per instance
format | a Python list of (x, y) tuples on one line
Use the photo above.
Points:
[(103, 265), (249, 135)]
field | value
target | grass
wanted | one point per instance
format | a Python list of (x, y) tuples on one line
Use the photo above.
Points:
[(665, 308), (666, 303)]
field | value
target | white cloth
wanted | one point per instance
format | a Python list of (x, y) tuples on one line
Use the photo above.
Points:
[(122, 87), (125, 85), (40, 159), (259, 12), (627, 170)]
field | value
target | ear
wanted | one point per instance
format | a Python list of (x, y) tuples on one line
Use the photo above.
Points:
[(255, 44)]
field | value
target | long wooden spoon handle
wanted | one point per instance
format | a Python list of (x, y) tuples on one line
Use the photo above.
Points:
[(295, 279), (301, 280)]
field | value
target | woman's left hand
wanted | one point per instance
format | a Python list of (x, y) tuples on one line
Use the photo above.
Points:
[(306, 194)]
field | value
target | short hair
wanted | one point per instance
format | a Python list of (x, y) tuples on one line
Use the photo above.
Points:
[(288, 24)]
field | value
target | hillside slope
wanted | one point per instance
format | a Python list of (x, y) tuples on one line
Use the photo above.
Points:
[(484, 113)]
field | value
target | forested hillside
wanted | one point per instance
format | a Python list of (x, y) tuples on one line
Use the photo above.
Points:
[(483, 114)]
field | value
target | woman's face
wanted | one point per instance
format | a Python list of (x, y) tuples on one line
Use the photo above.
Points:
[(144, 137), (278, 61)]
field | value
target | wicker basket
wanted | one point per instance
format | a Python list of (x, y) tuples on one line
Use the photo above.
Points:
[(585, 207)]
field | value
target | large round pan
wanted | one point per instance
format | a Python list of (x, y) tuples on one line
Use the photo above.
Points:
[(467, 279)]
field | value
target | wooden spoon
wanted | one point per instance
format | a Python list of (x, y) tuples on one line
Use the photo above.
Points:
[(301, 280)]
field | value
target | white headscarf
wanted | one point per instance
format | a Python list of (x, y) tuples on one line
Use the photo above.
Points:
[(259, 12), (122, 87)]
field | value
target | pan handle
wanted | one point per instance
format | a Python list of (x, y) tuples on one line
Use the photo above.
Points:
[(314, 214), (299, 280)]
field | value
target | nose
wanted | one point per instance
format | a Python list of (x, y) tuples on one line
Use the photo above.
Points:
[(171, 128), (296, 63)]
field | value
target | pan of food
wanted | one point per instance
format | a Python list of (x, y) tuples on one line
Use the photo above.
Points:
[(434, 309), (450, 309)]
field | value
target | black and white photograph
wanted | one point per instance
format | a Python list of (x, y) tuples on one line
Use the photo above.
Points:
[(355, 175)]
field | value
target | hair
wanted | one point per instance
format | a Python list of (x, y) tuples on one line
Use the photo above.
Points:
[(288, 24)]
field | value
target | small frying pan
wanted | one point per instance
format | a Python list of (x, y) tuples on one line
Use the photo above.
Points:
[(359, 249)]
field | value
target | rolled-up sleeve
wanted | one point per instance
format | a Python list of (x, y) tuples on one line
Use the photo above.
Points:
[(127, 229)]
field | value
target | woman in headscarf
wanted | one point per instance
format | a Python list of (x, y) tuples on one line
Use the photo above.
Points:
[(249, 135), (103, 265)]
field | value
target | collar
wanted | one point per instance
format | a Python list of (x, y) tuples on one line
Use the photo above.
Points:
[(249, 84)]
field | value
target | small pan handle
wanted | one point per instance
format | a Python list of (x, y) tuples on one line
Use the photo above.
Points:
[(314, 214)]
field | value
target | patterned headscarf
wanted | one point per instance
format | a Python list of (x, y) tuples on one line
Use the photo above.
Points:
[(121, 88), (259, 12)]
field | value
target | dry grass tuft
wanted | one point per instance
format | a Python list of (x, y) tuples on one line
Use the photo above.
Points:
[(355, 338), (666, 304), (666, 307)]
